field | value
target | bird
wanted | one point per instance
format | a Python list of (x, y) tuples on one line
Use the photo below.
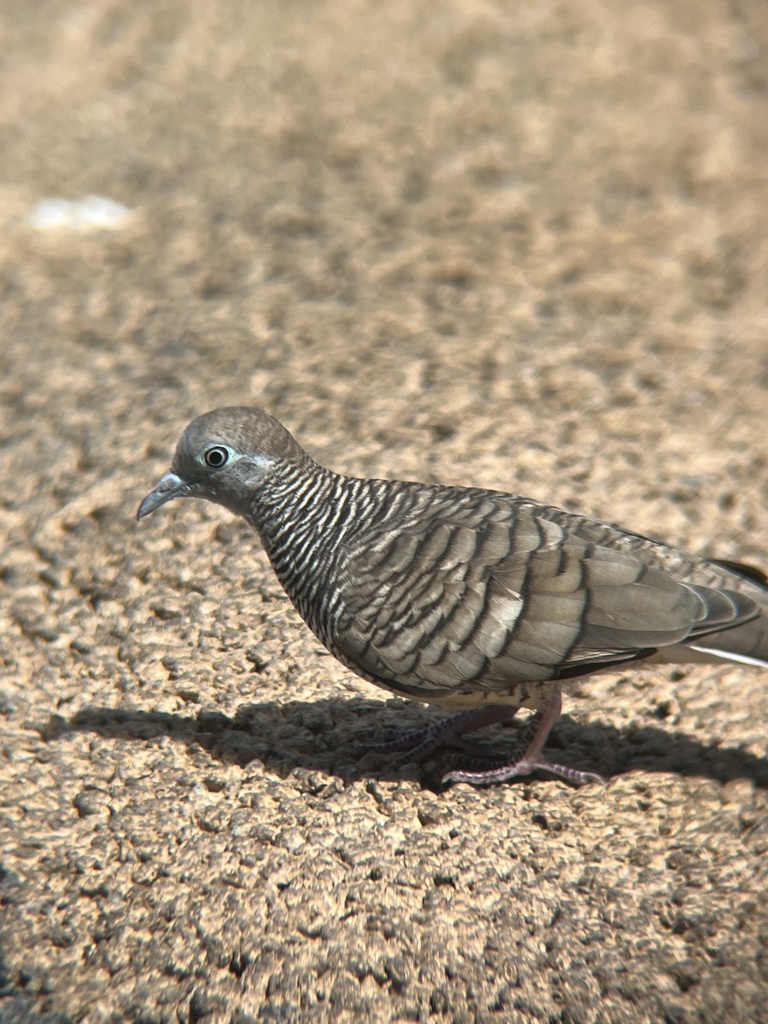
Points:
[(477, 601)]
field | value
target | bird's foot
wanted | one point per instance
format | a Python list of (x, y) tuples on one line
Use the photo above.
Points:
[(398, 740), (419, 743), (520, 768), (530, 758)]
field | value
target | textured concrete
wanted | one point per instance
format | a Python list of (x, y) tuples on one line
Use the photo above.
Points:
[(515, 245)]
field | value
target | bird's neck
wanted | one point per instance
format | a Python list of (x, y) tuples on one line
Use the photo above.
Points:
[(300, 514)]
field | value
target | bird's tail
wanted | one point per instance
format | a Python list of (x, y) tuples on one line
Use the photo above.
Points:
[(746, 644)]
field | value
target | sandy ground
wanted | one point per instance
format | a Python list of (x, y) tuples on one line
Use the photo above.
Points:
[(515, 245)]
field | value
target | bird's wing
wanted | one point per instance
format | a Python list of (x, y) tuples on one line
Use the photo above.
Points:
[(456, 603)]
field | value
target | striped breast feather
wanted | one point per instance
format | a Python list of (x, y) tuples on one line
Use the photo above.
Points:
[(442, 606)]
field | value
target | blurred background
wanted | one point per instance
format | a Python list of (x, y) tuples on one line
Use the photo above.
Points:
[(517, 245), (405, 224)]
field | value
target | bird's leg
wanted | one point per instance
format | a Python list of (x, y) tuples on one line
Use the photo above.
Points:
[(530, 757), (421, 742)]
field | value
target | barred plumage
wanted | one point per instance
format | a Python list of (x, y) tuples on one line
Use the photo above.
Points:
[(461, 597)]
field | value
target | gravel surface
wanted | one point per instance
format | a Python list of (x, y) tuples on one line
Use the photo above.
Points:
[(521, 246)]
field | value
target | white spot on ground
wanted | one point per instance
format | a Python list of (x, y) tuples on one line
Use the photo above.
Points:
[(93, 213)]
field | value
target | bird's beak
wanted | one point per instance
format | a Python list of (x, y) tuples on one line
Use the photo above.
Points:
[(169, 486)]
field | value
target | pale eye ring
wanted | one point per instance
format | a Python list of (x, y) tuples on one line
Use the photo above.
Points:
[(215, 457)]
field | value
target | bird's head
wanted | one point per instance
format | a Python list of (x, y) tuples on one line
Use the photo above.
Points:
[(226, 456)]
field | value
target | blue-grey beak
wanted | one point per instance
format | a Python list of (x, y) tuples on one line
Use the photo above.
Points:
[(169, 486)]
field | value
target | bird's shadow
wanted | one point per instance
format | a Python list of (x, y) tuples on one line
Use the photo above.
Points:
[(331, 735)]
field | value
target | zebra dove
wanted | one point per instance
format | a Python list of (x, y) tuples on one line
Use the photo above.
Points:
[(469, 599)]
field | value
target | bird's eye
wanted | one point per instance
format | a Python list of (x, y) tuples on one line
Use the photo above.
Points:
[(215, 457)]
